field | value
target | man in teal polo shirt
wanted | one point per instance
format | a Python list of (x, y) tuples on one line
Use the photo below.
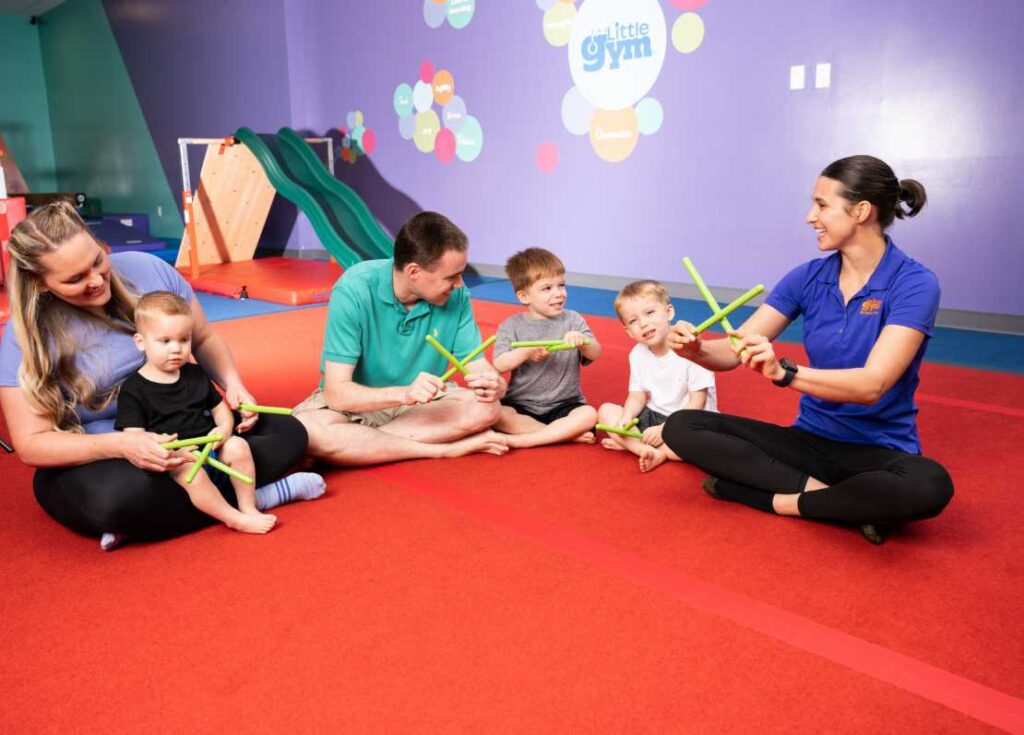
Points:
[(380, 398)]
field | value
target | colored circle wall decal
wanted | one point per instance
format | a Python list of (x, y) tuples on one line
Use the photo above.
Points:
[(454, 113), (407, 126), (614, 133), (403, 99), (443, 86), (422, 96), (689, 4), (368, 142), (687, 33), (444, 146), (558, 22), (460, 12), (426, 71), (576, 112), (427, 127), (469, 140), (649, 115), (434, 13), (547, 157)]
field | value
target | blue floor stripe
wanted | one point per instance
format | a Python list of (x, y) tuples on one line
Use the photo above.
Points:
[(966, 348), (218, 308)]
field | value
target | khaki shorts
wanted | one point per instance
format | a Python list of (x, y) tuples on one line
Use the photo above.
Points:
[(373, 419)]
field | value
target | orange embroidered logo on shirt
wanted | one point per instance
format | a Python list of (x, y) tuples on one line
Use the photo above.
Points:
[(871, 306)]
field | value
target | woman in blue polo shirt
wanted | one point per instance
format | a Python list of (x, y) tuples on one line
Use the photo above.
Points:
[(853, 456)]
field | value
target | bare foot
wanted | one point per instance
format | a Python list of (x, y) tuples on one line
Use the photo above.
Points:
[(651, 458), (253, 523), (609, 443), (587, 437), (487, 442)]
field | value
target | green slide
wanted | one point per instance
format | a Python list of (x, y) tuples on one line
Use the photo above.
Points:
[(340, 218)]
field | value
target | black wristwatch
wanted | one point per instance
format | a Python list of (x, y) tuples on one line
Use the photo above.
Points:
[(790, 367)]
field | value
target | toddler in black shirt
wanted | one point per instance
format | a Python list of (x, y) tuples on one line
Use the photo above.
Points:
[(170, 395)]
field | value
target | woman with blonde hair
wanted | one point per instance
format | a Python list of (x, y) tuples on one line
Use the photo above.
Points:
[(66, 350)]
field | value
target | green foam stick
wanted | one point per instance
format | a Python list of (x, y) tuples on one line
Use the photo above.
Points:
[(194, 442), (486, 343), (447, 355), (631, 424), (536, 343), (225, 469), (729, 309), (264, 409), (708, 297), (562, 346), (203, 456), (620, 430)]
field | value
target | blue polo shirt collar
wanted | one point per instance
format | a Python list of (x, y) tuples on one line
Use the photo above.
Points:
[(887, 268)]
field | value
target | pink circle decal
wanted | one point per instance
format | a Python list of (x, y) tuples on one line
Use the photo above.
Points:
[(444, 145), (369, 141), (426, 71), (547, 157), (689, 4)]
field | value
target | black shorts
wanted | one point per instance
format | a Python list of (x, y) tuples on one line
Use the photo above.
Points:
[(548, 417), (649, 418)]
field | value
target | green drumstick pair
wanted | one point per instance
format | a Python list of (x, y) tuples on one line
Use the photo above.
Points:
[(204, 456), (553, 345), (193, 442), (719, 314), (625, 430)]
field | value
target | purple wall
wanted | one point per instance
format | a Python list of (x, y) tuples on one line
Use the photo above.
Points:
[(929, 85)]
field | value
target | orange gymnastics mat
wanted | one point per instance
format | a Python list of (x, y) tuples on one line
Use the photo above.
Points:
[(291, 281), (550, 590)]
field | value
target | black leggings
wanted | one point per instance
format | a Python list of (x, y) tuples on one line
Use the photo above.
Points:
[(115, 496), (866, 484)]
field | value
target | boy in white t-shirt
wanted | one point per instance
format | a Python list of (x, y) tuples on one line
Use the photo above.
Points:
[(660, 381)]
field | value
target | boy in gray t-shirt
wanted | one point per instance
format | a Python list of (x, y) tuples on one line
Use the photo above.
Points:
[(544, 403)]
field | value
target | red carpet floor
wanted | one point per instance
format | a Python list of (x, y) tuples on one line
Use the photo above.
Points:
[(550, 590)]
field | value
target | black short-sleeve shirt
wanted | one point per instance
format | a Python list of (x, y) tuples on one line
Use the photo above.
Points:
[(183, 407)]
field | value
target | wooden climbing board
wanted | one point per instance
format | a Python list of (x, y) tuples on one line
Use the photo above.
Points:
[(231, 206)]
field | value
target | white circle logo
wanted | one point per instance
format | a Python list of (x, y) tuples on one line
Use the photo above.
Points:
[(616, 50)]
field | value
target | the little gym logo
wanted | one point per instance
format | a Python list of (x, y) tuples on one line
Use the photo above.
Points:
[(616, 51), (623, 42)]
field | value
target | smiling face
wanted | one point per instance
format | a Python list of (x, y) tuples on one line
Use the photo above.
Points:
[(834, 218), (436, 285), (647, 320), (166, 339), (545, 297), (78, 272)]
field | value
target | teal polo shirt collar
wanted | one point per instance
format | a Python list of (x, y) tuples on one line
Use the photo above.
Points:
[(385, 291), (892, 260)]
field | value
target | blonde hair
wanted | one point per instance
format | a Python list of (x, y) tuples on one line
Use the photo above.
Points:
[(528, 266), (48, 375), (160, 303), (639, 289)]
